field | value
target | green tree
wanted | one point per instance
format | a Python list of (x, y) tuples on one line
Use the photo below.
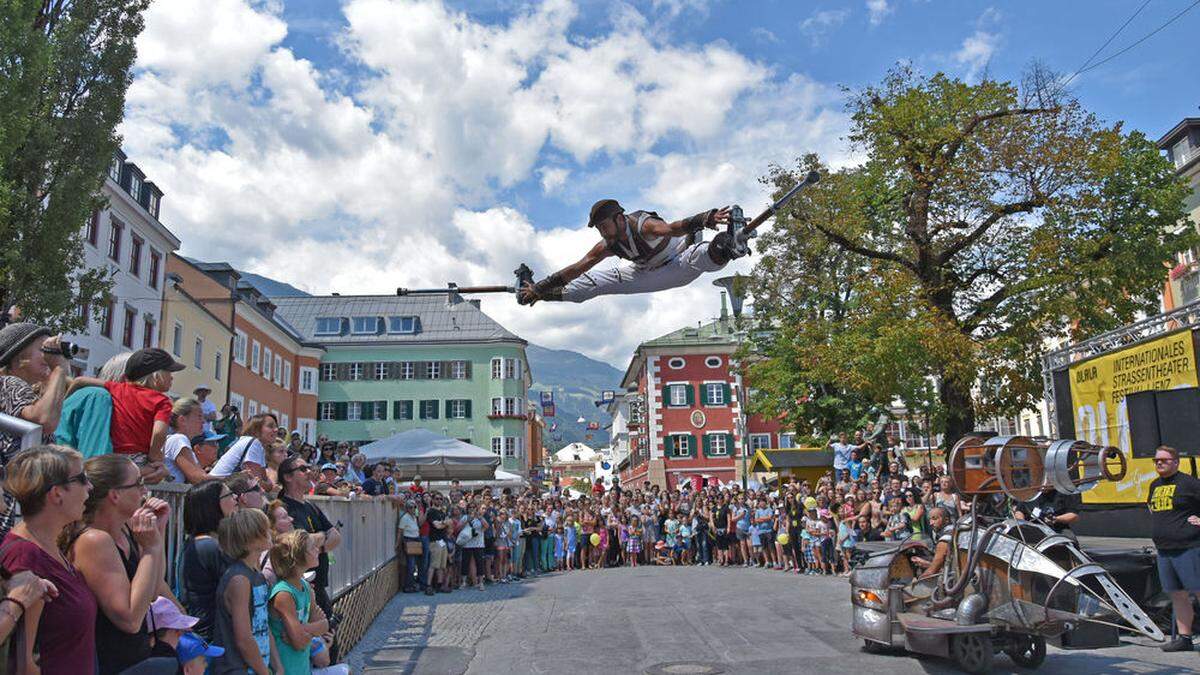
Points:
[(984, 221), (64, 69)]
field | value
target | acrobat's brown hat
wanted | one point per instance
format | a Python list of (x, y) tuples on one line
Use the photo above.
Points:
[(603, 210)]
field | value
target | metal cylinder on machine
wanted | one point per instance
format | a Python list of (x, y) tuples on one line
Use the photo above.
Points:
[(1013, 465), (1074, 467)]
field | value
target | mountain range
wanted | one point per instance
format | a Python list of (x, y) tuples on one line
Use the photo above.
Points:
[(576, 381)]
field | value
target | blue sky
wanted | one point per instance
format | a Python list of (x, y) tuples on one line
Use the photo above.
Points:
[(325, 143)]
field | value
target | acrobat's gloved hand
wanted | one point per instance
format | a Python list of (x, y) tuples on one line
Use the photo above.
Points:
[(549, 288)]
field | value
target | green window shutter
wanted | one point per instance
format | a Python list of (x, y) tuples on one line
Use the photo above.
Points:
[(339, 411), (669, 446), (467, 402), (707, 444), (420, 372), (666, 396), (433, 409), (397, 410), (695, 441), (423, 412), (728, 400), (691, 395), (729, 444), (381, 410), (703, 394)]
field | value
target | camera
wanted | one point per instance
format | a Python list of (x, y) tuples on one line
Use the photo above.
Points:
[(68, 350)]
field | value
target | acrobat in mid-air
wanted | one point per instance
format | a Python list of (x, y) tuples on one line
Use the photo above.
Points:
[(656, 254)]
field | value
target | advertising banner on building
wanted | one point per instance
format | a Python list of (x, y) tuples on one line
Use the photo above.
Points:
[(547, 398), (1098, 390), (548, 410)]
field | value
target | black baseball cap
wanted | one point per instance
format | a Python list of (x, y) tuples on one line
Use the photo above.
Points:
[(150, 360), (603, 210)]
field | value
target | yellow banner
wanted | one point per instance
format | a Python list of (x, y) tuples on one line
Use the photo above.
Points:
[(1098, 390)]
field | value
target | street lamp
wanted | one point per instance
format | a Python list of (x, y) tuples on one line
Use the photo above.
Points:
[(736, 286)]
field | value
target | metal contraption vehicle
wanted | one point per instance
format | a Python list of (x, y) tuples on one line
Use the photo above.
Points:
[(1004, 584)]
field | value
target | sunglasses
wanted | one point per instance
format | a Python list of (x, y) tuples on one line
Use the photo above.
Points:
[(227, 495), (1164, 460), (80, 478)]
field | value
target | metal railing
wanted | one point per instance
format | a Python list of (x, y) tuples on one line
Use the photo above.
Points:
[(368, 530), (29, 433)]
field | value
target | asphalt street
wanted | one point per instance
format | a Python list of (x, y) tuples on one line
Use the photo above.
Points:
[(668, 620)]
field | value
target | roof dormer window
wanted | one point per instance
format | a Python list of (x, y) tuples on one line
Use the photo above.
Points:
[(403, 324), (135, 186), (329, 325), (364, 325)]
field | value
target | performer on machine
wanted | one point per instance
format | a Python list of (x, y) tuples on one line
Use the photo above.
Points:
[(658, 254)]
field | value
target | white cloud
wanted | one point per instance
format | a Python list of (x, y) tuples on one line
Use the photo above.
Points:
[(821, 23), (975, 53), (553, 178), (878, 10), (268, 164)]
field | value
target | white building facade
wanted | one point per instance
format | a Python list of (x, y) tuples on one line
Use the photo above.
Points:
[(126, 238)]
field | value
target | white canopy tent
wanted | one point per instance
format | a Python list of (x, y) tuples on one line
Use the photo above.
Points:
[(503, 479), (433, 456)]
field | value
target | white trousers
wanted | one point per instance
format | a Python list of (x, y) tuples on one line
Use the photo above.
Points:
[(629, 278)]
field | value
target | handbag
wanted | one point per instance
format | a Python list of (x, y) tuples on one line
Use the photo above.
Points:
[(465, 535), (413, 548)]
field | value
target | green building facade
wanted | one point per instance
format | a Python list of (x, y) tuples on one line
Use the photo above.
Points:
[(395, 363)]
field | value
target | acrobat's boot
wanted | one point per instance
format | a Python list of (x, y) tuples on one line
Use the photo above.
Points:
[(725, 247)]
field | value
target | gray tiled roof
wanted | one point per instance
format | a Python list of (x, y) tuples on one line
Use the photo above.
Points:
[(441, 321)]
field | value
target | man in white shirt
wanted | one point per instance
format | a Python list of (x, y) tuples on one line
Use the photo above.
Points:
[(841, 453), (207, 407)]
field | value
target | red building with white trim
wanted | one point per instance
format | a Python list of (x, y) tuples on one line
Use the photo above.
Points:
[(685, 410)]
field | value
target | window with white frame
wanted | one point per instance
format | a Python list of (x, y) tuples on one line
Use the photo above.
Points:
[(237, 401), (760, 441), (364, 325), (715, 393), (198, 355), (251, 408), (787, 440), (255, 355), (713, 362), (283, 423), (408, 370), (511, 446), (277, 373), (326, 411), (307, 429), (218, 366), (356, 371), (497, 445), (676, 363), (433, 370), (354, 411), (458, 408), (266, 362), (458, 370), (512, 406), (329, 325), (718, 444), (678, 395), (497, 368), (381, 369), (287, 375), (177, 339), (512, 369), (308, 380), (498, 406), (239, 347), (328, 372), (402, 324), (681, 445)]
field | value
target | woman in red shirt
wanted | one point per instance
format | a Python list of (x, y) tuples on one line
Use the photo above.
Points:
[(49, 483)]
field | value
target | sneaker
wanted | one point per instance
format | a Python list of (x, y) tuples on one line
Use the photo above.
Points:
[(479, 586), (1183, 643)]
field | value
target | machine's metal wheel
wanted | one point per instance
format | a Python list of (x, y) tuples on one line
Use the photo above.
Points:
[(972, 652), (1027, 651)]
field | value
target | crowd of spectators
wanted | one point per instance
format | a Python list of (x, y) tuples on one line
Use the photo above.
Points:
[(83, 558)]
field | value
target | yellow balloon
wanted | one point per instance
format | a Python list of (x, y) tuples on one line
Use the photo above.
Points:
[(783, 539), (595, 539)]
